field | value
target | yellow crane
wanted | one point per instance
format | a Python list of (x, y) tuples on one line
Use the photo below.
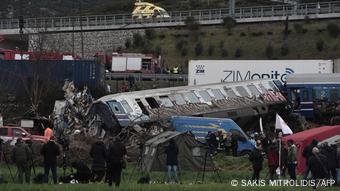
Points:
[(145, 10)]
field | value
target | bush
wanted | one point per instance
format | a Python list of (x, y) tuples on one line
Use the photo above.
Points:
[(180, 44), (150, 34), (284, 49), (161, 36), (320, 45), (158, 50), (198, 49), (298, 28), (119, 49), (192, 24), (138, 40), (333, 30), (257, 33), (269, 51), (221, 44), (242, 34), (238, 53), (211, 50), (127, 43), (184, 52), (229, 23), (224, 52), (269, 33)]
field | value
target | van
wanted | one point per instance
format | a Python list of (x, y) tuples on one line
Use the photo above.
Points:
[(144, 10), (200, 126)]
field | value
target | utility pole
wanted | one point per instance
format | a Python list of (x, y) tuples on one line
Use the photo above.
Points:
[(232, 8)]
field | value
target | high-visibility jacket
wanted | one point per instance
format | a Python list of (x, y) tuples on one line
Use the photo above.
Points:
[(48, 132)]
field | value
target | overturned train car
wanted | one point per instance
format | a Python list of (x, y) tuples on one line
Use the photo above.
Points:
[(236, 100)]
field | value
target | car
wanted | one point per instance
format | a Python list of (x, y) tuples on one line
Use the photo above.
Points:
[(9, 134)]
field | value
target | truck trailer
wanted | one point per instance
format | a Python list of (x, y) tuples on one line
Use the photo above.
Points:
[(216, 71)]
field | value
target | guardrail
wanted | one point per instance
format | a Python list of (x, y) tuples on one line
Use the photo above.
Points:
[(203, 16), (141, 76)]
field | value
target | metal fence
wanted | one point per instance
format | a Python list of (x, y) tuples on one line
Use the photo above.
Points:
[(203, 16), (141, 76)]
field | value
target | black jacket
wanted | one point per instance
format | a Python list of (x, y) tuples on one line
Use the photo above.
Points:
[(256, 158), (83, 173), (98, 154), (171, 154), (116, 153), (307, 152), (318, 165), (50, 151)]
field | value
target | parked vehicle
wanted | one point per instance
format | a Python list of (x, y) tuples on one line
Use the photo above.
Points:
[(131, 62), (216, 71), (6, 54), (9, 134), (200, 126), (144, 10)]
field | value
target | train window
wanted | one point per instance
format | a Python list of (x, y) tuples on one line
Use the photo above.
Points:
[(218, 94), (263, 89), (126, 106), (191, 97), (243, 92), (152, 102), (272, 86), (146, 64), (254, 90), (230, 92), (142, 107), (205, 95), (179, 99), (116, 107), (165, 100)]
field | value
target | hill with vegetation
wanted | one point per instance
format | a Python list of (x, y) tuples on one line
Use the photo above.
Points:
[(306, 39)]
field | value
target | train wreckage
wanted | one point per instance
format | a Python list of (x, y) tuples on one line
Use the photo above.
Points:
[(152, 109)]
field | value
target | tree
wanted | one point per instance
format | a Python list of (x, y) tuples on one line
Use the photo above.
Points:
[(229, 23)]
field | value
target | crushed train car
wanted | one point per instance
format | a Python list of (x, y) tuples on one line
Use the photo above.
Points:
[(236, 100)]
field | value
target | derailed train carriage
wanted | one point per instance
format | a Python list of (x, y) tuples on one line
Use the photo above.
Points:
[(241, 101)]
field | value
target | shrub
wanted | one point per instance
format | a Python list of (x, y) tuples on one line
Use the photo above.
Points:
[(269, 51), (299, 29), (180, 44), (198, 49), (238, 52), (229, 23), (138, 40), (320, 45), (184, 52), (284, 49), (161, 36), (127, 43), (242, 34), (221, 44), (211, 50), (192, 24), (333, 30), (257, 33), (119, 49), (150, 34), (158, 50), (224, 52), (269, 33)]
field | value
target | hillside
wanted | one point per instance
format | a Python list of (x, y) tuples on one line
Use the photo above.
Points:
[(306, 40)]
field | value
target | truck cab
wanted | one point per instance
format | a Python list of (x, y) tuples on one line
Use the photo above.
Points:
[(200, 126), (9, 134)]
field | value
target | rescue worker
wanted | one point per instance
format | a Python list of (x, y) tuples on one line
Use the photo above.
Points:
[(50, 151), (116, 161), (21, 156), (98, 154), (83, 173), (256, 157), (291, 159), (234, 143), (171, 161), (273, 159), (318, 165), (307, 153)]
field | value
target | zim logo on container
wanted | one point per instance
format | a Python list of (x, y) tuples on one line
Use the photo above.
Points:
[(200, 69)]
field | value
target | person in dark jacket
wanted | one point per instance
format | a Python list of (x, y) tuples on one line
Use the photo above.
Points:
[(307, 153), (318, 165), (284, 160), (21, 156), (234, 143), (273, 159), (291, 159), (83, 173), (330, 153), (50, 151), (98, 154), (256, 157), (212, 142), (116, 161), (171, 160)]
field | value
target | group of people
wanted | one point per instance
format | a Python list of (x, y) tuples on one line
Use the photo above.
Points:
[(321, 162), (226, 141), (109, 161)]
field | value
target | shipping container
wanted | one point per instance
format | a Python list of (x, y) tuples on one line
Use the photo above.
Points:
[(216, 71), (15, 75)]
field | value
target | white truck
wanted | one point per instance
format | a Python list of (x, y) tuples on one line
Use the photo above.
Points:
[(216, 71)]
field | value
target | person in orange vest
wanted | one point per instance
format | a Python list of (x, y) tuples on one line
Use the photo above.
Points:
[(48, 132)]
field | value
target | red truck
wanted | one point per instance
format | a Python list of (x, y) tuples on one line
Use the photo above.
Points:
[(9, 134), (6, 54), (131, 62)]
